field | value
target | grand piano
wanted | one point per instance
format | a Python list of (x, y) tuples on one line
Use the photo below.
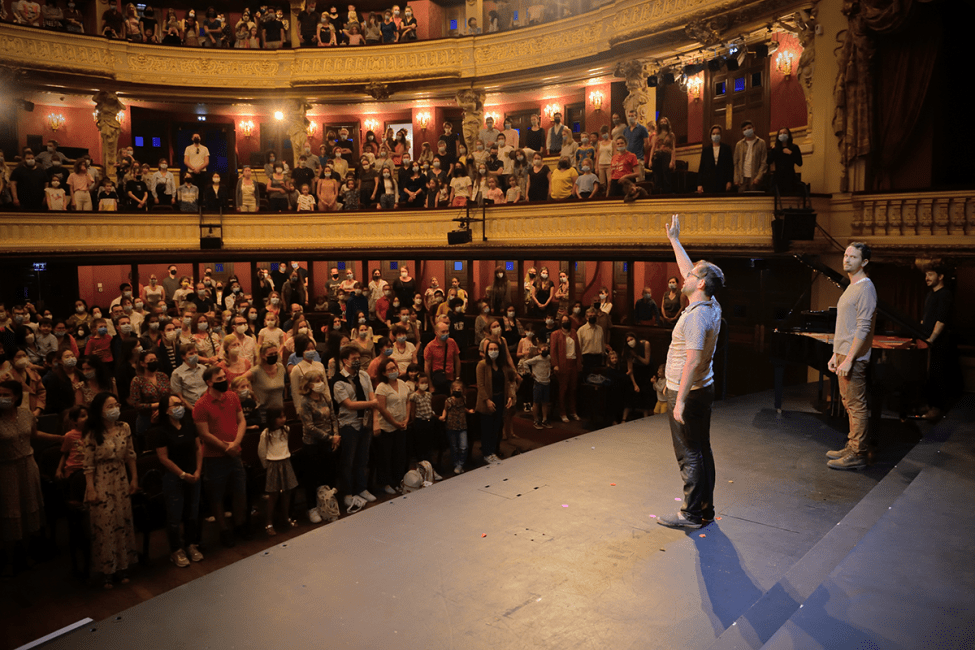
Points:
[(898, 360)]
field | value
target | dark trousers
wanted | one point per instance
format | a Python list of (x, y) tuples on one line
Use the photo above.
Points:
[(424, 438), (316, 467), (354, 458), (391, 461), (692, 446), (182, 505), (491, 425), (662, 174), (218, 474)]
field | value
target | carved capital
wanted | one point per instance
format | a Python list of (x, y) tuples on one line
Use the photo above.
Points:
[(708, 32), (377, 90), (107, 108)]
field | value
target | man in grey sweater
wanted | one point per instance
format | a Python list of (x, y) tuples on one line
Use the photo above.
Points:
[(856, 315)]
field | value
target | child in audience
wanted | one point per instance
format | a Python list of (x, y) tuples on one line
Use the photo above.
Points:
[(421, 417), (54, 196), (493, 192), (100, 342), (276, 458), (443, 196), (107, 197), (587, 183), (514, 190), (454, 416), (306, 202), (541, 367), (252, 417), (586, 151), (350, 196), (72, 453), (660, 385), (632, 192)]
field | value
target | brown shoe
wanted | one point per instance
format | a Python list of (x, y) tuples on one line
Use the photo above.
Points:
[(839, 453), (850, 461)]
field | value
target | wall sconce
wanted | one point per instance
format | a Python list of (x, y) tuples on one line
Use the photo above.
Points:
[(55, 121), (423, 120), (596, 99), (371, 125), (694, 85), (783, 63), (312, 128), (491, 114), (279, 115), (120, 117), (550, 110), (247, 128)]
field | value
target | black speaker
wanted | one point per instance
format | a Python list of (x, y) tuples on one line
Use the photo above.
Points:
[(761, 50), (668, 78), (732, 63), (652, 81), (459, 237), (210, 243)]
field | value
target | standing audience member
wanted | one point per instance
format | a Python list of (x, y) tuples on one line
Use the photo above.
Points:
[(180, 452), (783, 158), (637, 139), (392, 413), (566, 357), (220, 424), (454, 417), (108, 451), (716, 170), (492, 400), (352, 390), (663, 158), (750, 159), (280, 479)]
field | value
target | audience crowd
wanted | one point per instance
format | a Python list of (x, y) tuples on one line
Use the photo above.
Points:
[(267, 26), (502, 167), (349, 384)]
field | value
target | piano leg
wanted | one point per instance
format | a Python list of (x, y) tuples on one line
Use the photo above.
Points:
[(779, 379)]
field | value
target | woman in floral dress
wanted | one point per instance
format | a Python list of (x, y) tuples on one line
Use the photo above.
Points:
[(107, 451)]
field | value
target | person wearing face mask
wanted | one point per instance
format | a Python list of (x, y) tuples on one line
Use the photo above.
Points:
[(187, 380), (148, 392), (79, 184), (74, 20), (751, 160), (542, 305), (604, 307), (388, 28), (563, 180), (451, 145), (559, 136), (623, 167), (61, 382), (783, 158), (355, 400), (499, 293), (673, 302), (108, 453), (566, 363), (100, 343), (663, 157), (640, 395), (54, 196), (320, 436), (488, 135), (19, 368), (716, 170), (390, 424), (637, 140), (539, 177), (220, 424), (308, 20), (136, 191), (387, 189), (162, 184), (593, 342), (267, 379), (196, 159), (180, 451), (587, 183), (273, 29), (493, 390), (27, 183), (216, 196), (646, 311)]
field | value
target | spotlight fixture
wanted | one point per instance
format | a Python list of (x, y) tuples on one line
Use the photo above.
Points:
[(732, 63), (715, 64), (652, 81), (761, 50), (668, 78)]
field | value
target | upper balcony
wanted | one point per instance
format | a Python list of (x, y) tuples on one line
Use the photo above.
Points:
[(569, 48)]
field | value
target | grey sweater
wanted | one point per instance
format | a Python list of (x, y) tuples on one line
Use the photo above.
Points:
[(856, 314)]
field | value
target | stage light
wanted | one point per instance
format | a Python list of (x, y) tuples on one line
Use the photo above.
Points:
[(668, 78), (652, 81), (715, 64), (761, 51), (278, 115), (732, 63)]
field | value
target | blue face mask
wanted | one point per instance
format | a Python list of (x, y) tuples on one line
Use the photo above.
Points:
[(309, 355), (716, 138), (178, 412), (103, 330), (443, 337), (388, 351), (392, 375)]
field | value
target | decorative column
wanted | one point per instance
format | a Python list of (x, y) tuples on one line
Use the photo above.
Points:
[(107, 109), (472, 101), (297, 126), (640, 98)]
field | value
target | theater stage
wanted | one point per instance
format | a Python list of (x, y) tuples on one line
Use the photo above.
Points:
[(557, 548)]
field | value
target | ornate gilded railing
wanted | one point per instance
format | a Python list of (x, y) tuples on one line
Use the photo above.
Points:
[(522, 50), (916, 214), (739, 224)]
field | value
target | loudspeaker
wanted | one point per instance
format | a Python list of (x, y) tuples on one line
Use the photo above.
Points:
[(715, 64), (652, 81), (211, 243), (459, 237), (761, 50), (668, 78), (732, 63)]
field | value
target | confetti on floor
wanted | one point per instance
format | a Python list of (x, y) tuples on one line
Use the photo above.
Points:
[(565, 505), (676, 498), (719, 518), (653, 516), (731, 481), (613, 484), (702, 535), (483, 534)]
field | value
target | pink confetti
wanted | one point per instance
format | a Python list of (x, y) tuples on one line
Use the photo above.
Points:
[(653, 516), (719, 518), (613, 484), (565, 505), (676, 498), (702, 535)]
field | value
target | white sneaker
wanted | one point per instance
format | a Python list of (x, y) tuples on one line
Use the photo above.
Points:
[(194, 553), (459, 469), (389, 490), (367, 495), (314, 516), (348, 500), (179, 559)]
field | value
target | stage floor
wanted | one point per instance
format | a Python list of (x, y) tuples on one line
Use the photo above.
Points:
[(556, 548)]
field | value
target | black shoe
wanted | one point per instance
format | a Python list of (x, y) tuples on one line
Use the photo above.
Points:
[(227, 538), (678, 520)]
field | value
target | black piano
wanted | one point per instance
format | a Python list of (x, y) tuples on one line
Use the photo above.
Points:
[(898, 360)]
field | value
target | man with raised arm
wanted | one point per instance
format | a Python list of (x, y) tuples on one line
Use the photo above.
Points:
[(690, 385), (856, 314)]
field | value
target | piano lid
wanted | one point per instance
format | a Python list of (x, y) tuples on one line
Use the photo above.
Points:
[(906, 323)]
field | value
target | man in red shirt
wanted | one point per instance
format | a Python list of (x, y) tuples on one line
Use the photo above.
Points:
[(220, 422), (442, 355), (621, 168)]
